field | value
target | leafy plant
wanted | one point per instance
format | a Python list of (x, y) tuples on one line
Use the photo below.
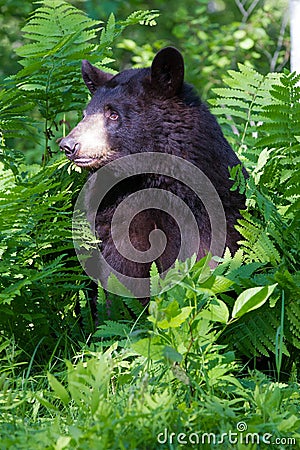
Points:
[(264, 119), (177, 379), (215, 37), (42, 281), (41, 278)]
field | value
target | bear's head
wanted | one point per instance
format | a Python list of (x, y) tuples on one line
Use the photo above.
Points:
[(125, 114)]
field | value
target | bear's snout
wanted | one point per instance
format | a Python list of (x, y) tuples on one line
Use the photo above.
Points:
[(70, 146)]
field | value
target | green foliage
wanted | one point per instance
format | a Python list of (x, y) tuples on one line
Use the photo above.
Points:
[(40, 276), (237, 294), (41, 280), (251, 299), (272, 190), (176, 379), (172, 366), (264, 120), (13, 108), (245, 37), (12, 17), (216, 36)]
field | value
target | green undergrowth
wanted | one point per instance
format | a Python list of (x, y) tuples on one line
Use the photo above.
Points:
[(166, 381)]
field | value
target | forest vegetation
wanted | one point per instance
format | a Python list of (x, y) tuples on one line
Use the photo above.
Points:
[(213, 360)]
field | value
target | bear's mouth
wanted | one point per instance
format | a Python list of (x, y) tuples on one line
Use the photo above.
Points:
[(93, 162), (85, 162)]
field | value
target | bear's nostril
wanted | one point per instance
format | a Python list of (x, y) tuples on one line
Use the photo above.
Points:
[(70, 147)]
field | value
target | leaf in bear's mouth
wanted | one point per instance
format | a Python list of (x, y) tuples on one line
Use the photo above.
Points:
[(84, 161)]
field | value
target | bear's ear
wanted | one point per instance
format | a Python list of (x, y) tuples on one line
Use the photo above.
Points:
[(167, 71), (93, 77)]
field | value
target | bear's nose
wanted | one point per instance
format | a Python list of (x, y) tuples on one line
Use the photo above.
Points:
[(70, 146)]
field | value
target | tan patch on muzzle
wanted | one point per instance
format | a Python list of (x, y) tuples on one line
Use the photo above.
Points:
[(88, 141)]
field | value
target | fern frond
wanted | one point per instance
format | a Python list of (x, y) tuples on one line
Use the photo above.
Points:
[(266, 112), (112, 329), (154, 279), (55, 27), (283, 110), (242, 101), (13, 109), (86, 314), (293, 315), (257, 333), (257, 244), (146, 17), (133, 305)]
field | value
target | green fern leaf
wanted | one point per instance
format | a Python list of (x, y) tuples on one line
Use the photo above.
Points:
[(112, 329)]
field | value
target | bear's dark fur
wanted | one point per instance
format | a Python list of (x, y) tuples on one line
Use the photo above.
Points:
[(153, 110)]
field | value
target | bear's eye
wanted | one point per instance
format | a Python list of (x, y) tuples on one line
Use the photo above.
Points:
[(113, 115)]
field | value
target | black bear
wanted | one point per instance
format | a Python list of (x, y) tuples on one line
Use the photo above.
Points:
[(152, 111)]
